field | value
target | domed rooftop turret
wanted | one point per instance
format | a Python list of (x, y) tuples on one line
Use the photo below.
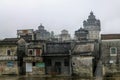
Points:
[(41, 27), (91, 21), (64, 31), (91, 16)]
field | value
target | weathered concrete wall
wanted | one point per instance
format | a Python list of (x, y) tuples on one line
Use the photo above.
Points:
[(111, 69), (8, 67), (4, 48), (87, 47), (110, 61), (38, 69), (82, 66)]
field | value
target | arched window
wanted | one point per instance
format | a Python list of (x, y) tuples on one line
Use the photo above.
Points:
[(30, 53), (8, 52)]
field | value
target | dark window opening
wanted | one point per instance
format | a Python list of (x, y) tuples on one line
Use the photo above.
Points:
[(33, 64), (58, 67), (48, 62), (30, 52), (20, 63), (8, 52)]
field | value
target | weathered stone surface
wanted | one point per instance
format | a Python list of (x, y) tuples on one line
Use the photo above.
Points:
[(38, 70), (82, 66)]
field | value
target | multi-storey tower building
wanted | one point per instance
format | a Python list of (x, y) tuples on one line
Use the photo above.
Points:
[(41, 33), (81, 34), (64, 36), (93, 26)]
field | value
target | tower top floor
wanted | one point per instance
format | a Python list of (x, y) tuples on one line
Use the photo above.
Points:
[(91, 21)]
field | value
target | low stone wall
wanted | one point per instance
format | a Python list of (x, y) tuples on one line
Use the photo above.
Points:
[(111, 69), (38, 71)]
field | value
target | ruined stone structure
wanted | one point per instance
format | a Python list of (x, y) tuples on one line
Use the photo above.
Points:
[(86, 47), (39, 52), (82, 58)]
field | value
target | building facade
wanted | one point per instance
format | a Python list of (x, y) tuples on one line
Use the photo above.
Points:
[(8, 56), (110, 49), (33, 60), (57, 58)]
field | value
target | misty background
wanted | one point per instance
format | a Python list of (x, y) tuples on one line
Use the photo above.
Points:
[(57, 15)]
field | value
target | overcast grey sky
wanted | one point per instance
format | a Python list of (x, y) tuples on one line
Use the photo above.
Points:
[(56, 15)]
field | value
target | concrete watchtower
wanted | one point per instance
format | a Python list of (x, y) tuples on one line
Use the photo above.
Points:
[(93, 26)]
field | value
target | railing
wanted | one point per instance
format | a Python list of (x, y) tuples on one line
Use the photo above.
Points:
[(33, 59), (8, 57)]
